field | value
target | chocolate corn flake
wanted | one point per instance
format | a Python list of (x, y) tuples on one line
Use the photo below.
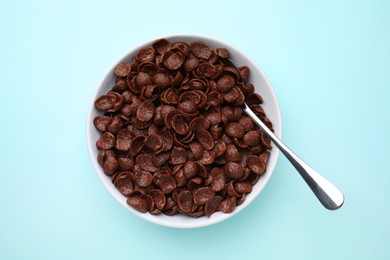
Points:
[(205, 139), (173, 60), (203, 195), (105, 102), (218, 179), (122, 69), (110, 165), (264, 157), (146, 54), (145, 111), (253, 98), (136, 145), (213, 205), (106, 141), (235, 130), (234, 170), (179, 124), (102, 122), (225, 83), (190, 169), (228, 205), (252, 138), (143, 178), (167, 183), (123, 140), (244, 72), (161, 45), (243, 187), (190, 64), (158, 198), (255, 164), (173, 136), (201, 50), (185, 201), (223, 53), (124, 182), (139, 203), (231, 190), (154, 142), (145, 162), (179, 155)]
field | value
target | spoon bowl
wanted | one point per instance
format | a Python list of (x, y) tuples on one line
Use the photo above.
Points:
[(270, 106)]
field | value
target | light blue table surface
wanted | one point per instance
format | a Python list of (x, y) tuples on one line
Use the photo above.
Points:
[(328, 61)]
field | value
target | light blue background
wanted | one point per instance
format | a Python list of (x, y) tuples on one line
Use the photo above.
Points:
[(329, 63)]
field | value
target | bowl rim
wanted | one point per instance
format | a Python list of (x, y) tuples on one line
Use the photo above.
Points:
[(91, 108)]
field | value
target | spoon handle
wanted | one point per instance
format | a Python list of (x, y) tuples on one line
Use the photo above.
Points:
[(330, 196)]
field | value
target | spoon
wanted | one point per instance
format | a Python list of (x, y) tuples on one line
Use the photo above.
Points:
[(330, 196)]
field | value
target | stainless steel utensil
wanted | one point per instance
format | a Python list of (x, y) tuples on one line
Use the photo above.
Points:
[(330, 196)]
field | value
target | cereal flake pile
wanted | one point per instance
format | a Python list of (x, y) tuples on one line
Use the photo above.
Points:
[(174, 138)]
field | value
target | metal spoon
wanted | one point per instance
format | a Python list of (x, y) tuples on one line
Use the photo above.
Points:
[(330, 196)]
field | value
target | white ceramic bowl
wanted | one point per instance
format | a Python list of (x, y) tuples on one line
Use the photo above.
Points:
[(270, 105)]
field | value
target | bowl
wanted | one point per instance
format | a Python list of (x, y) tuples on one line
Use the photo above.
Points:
[(270, 106)]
